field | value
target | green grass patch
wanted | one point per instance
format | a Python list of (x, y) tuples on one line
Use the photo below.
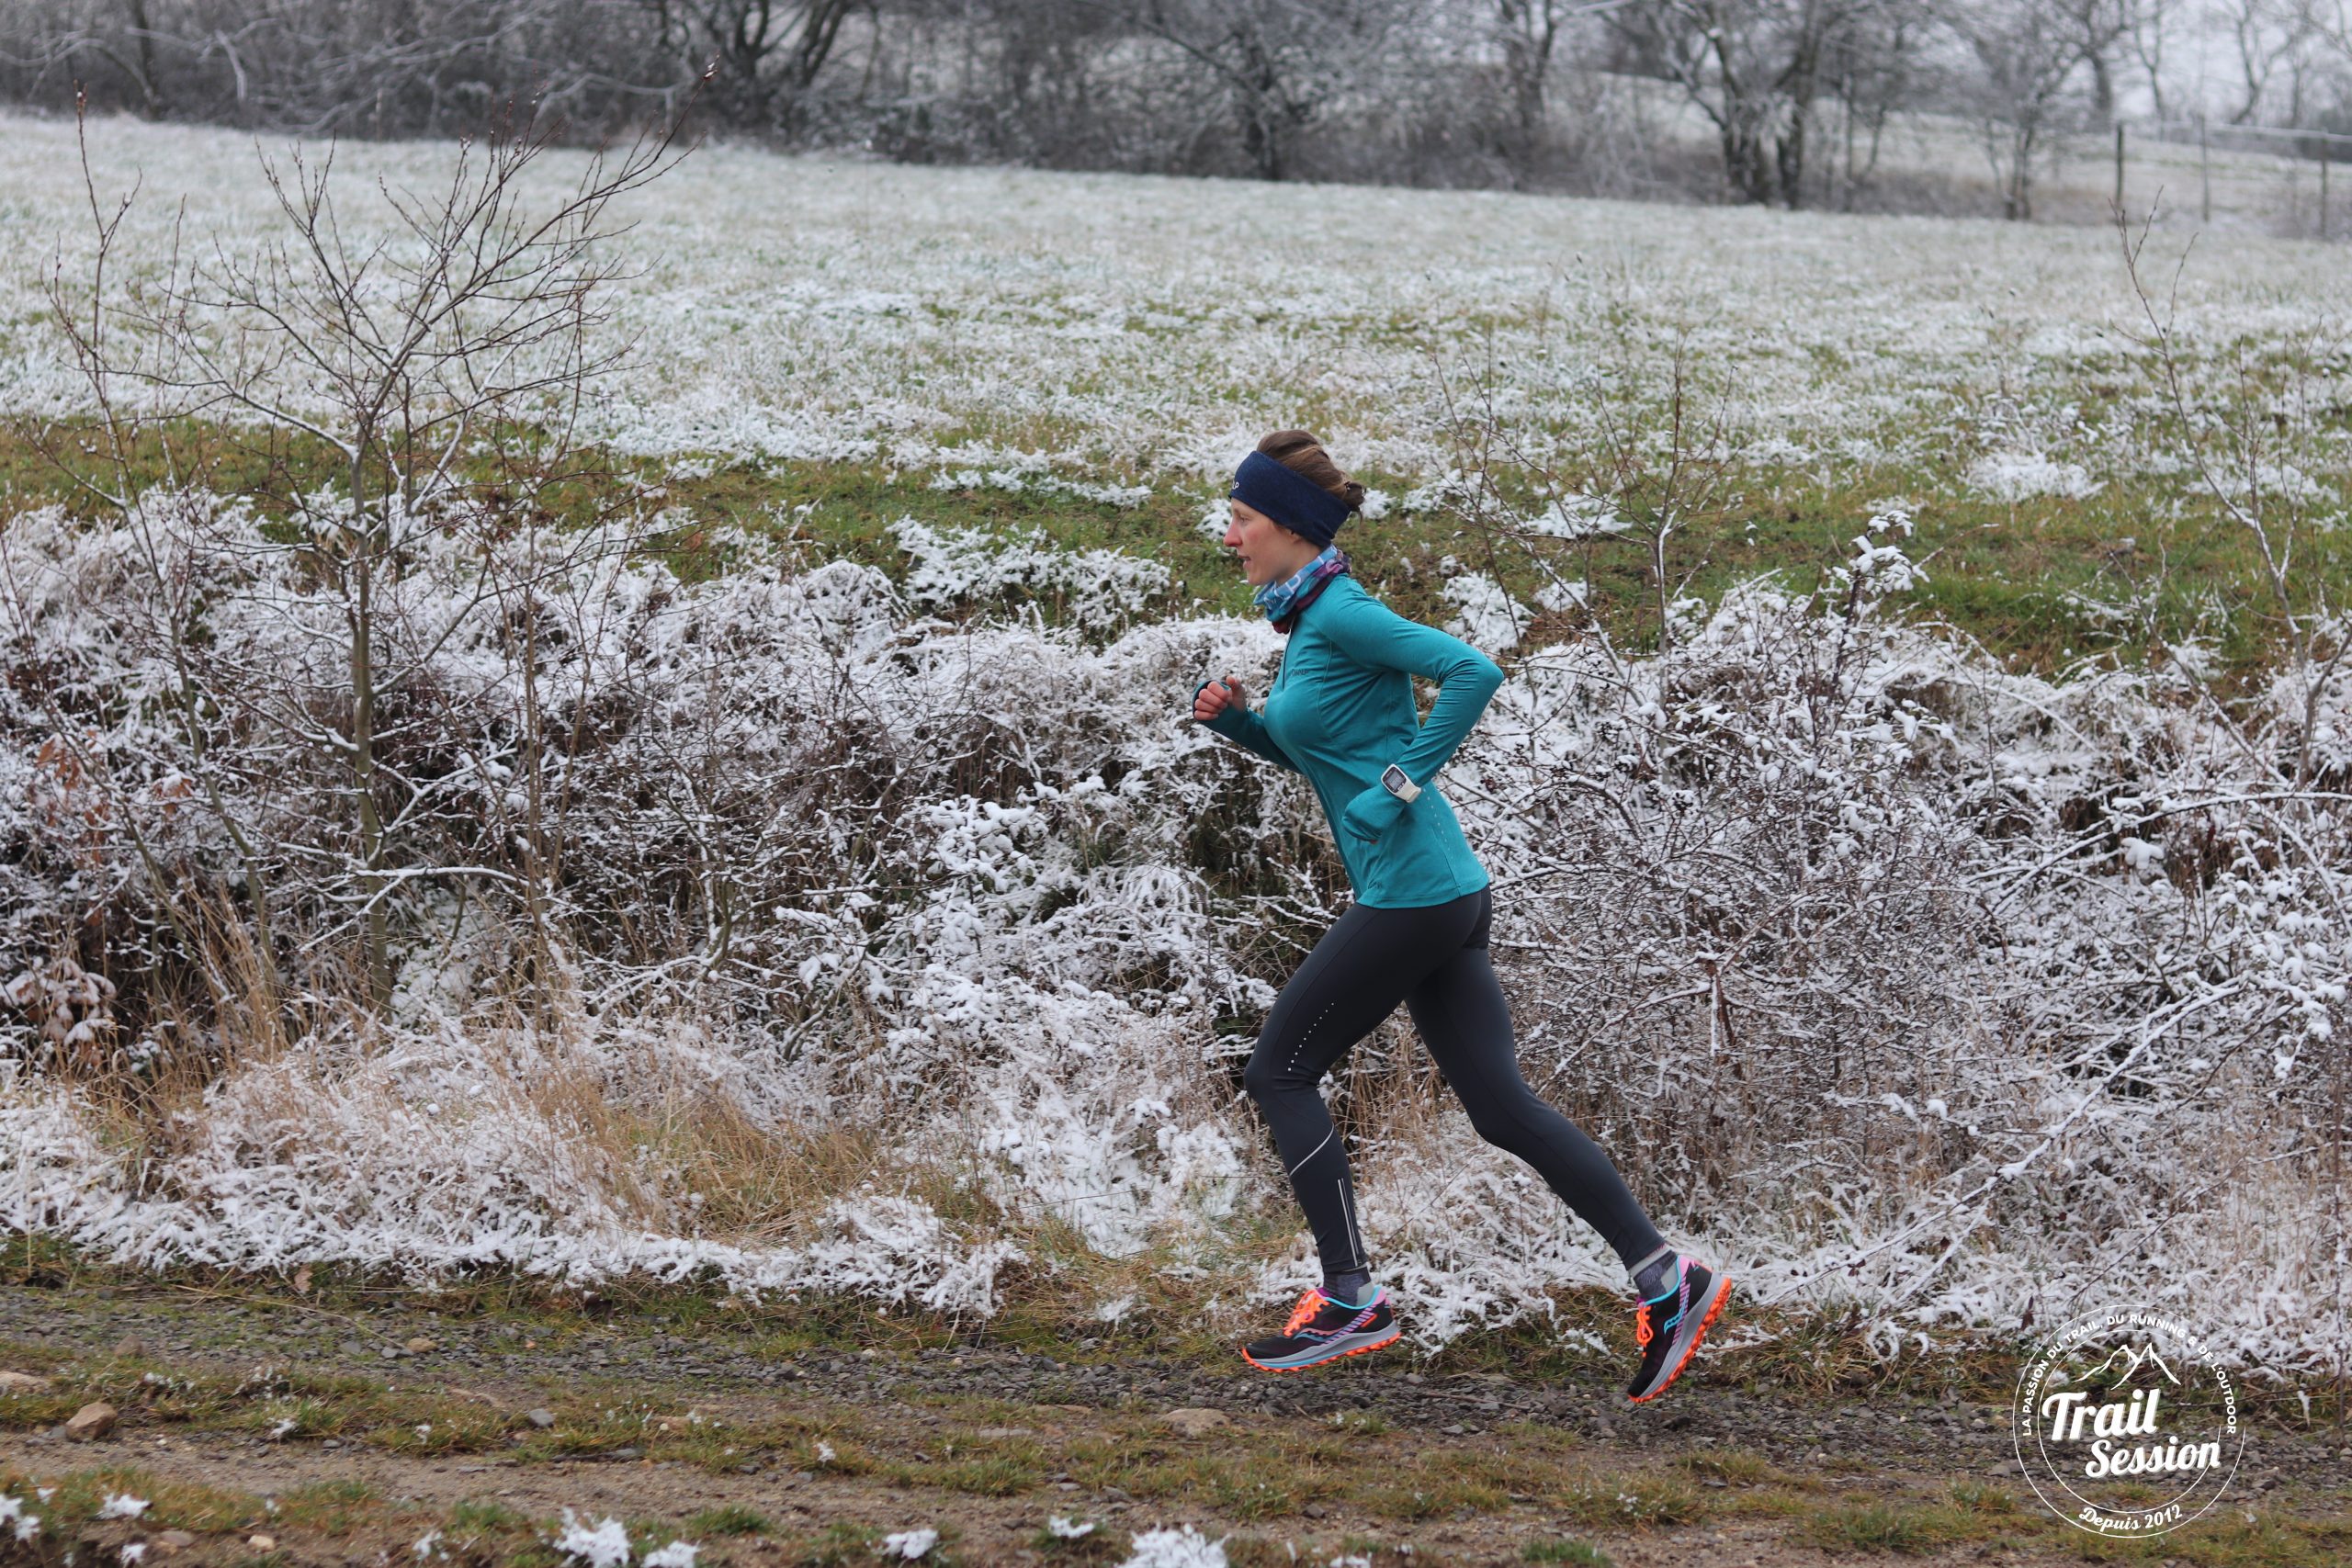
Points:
[(483, 1530), (990, 1475), (835, 1455), (81, 1495), (1981, 1496), (330, 1507), (2223, 1539), (486, 1514), (1631, 1501), (2041, 582), (730, 1518), (1895, 1527), (1582, 1553)]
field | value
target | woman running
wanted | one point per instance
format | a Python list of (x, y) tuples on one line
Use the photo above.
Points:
[(1342, 712)]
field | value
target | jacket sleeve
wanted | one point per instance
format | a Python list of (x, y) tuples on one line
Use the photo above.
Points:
[(1371, 632), (1241, 725)]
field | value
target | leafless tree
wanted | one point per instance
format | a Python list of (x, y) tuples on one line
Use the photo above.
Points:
[(770, 51), (2280, 46), (317, 65), (2150, 28), (1797, 96), (395, 392), (1756, 68), (1872, 72), (2101, 26), (2027, 54), (1280, 65), (1528, 31)]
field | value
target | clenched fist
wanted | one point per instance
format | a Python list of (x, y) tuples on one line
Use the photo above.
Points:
[(1214, 695)]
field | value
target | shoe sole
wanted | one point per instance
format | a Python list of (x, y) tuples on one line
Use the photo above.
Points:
[(1723, 1294), (1331, 1352)]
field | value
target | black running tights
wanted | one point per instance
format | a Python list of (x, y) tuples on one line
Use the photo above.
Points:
[(1433, 959)]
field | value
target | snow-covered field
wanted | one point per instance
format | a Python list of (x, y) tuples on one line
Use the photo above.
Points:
[(1111, 326), (910, 958)]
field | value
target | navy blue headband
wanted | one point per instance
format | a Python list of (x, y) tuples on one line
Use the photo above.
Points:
[(1289, 498)]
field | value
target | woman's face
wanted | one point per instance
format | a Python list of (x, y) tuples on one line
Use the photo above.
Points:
[(1268, 552)]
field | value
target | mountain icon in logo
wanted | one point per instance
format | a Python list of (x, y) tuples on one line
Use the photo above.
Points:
[(2124, 1421), (2134, 1358)]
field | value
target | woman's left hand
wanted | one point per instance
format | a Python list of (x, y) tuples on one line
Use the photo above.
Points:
[(1372, 813)]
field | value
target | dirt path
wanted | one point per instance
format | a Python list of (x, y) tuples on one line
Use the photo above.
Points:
[(317, 1429)]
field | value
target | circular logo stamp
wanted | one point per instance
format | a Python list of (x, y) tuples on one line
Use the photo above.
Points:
[(2126, 1425)]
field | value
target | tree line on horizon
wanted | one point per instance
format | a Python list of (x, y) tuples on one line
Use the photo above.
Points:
[(1795, 97)]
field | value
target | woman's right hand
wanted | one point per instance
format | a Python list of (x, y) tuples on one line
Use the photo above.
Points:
[(1213, 699)]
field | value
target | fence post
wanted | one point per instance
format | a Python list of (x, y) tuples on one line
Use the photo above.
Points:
[(2204, 171), (2322, 190), (2119, 165)]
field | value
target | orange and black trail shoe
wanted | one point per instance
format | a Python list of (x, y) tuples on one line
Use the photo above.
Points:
[(1324, 1329), (1668, 1326)]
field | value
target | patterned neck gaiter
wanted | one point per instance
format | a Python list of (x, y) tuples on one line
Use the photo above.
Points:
[(1283, 601)]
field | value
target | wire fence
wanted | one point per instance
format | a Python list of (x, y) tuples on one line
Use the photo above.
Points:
[(1643, 139), (2181, 173)]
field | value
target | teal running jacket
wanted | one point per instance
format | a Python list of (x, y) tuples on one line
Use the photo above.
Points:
[(1342, 710)]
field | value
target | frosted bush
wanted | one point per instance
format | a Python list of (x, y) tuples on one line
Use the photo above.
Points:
[(2019, 475), (1490, 619), (1893, 977), (971, 565), (1579, 517)]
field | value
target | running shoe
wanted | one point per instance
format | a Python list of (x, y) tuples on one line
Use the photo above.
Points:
[(1668, 1326), (1324, 1329)]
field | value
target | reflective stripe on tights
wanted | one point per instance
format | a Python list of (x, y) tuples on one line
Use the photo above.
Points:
[(1433, 959)]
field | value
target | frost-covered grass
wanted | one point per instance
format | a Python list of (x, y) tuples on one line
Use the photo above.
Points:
[(1091, 351), (1010, 321), (2047, 582), (782, 925)]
